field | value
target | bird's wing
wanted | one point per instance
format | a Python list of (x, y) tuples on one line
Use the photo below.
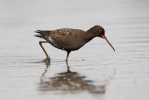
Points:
[(65, 38), (67, 32)]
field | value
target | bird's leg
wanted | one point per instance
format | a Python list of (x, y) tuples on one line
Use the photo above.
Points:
[(68, 52), (48, 58)]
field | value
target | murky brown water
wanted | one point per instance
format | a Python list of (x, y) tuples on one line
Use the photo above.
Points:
[(98, 73)]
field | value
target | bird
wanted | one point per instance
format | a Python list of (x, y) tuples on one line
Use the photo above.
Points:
[(69, 39)]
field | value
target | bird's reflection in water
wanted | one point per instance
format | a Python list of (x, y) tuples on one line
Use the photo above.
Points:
[(69, 82)]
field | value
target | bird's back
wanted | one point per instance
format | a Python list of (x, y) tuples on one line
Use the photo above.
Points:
[(66, 39)]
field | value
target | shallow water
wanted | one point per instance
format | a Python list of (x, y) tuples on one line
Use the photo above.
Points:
[(97, 72)]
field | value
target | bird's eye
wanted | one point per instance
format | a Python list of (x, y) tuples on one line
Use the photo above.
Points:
[(100, 31)]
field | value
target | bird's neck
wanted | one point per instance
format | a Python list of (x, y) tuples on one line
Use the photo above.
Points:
[(89, 35)]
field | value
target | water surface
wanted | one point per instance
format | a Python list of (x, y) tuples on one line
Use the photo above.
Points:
[(97, 72)]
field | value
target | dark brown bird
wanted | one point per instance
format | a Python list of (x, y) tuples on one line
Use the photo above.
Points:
[(70, 39)]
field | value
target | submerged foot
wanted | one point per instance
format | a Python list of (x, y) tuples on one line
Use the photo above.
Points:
[(47, 59)]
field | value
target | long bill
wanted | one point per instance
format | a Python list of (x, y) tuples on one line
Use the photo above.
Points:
[(108, 42)]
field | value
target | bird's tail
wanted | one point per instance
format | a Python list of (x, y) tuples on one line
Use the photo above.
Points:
[(42, 34)]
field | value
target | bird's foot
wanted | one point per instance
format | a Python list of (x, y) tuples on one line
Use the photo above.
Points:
[(47, 59), (68, 71)]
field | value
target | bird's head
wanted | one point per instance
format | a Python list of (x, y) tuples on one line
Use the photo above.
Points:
[(100, 32)]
